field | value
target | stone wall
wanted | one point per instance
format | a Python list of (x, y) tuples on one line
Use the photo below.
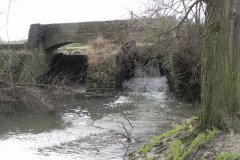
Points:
[(49, 37), (106, 79), (35, 36)]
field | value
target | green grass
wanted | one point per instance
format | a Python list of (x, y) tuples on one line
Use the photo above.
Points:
[(199, 140), (155, 140), (228, 156), (179, 151)]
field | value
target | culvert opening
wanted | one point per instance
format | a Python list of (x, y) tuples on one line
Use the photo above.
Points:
[(69, 64)]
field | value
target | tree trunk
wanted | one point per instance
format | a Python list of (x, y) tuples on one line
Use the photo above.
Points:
[(220, 92)]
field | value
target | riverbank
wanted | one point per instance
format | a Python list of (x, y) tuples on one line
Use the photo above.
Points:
[(187, 142), (223, 147)]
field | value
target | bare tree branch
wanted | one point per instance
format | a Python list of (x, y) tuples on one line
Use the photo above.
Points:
[(182, 21)]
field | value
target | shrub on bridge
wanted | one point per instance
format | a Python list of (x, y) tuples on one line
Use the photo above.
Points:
[(102, 58), (104, 66)]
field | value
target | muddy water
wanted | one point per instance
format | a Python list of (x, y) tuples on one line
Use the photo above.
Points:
[(92, 129)]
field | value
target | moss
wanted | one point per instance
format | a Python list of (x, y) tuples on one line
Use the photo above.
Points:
[(177, 149), (228, 156), (155, 140), (199, 140), (220, 68), (179, 152), (145, 148), (152, 158), (181, 141)]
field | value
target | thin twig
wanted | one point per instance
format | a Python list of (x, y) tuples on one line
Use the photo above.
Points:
[(127, 120), (128, 135), (8, 11), (9, 84), (126, 152), (183, 19)]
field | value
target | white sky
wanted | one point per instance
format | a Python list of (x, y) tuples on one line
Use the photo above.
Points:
[(26, 12)]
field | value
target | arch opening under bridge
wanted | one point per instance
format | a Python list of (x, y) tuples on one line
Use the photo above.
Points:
[(50, 37)]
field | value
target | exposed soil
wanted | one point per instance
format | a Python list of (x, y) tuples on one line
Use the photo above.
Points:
[(223, 142)]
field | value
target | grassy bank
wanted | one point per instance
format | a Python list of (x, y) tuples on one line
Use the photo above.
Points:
[(187, 142)]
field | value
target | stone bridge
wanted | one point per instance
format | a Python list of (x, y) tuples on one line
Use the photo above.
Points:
[(43, 39), (53, 36), (49, 37)]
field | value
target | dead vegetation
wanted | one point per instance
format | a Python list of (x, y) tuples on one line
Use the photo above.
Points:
[(177, 52), (100, 50), (102, 58), (19, 73)]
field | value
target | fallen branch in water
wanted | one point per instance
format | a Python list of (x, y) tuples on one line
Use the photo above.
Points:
[(128, 135), (127, 120)]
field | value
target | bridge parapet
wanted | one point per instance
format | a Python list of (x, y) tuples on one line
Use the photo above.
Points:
[(35, 35), (52, 36), (107, 76)]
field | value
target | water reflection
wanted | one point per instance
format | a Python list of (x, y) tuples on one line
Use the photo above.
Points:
[(28, 122)]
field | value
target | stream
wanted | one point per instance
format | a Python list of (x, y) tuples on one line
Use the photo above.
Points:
[(94, 128)]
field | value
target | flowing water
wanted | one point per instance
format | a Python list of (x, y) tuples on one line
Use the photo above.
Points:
[(93, 128)]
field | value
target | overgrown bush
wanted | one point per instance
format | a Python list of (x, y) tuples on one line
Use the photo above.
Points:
[(19, 73), (102, 59), (178, 54), (183, 64)]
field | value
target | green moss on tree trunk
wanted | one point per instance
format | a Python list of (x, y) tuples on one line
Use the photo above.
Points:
[(221, 65)]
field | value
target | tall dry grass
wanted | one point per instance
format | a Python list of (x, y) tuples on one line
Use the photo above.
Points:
[(102, 58)]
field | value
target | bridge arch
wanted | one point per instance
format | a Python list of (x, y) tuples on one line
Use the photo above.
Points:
[(52, 36), (56, 42), (68, 63)]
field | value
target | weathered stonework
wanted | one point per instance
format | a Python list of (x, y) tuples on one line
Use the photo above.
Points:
[(107, 78), (35, 36), (53, 36), (49, 37)]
